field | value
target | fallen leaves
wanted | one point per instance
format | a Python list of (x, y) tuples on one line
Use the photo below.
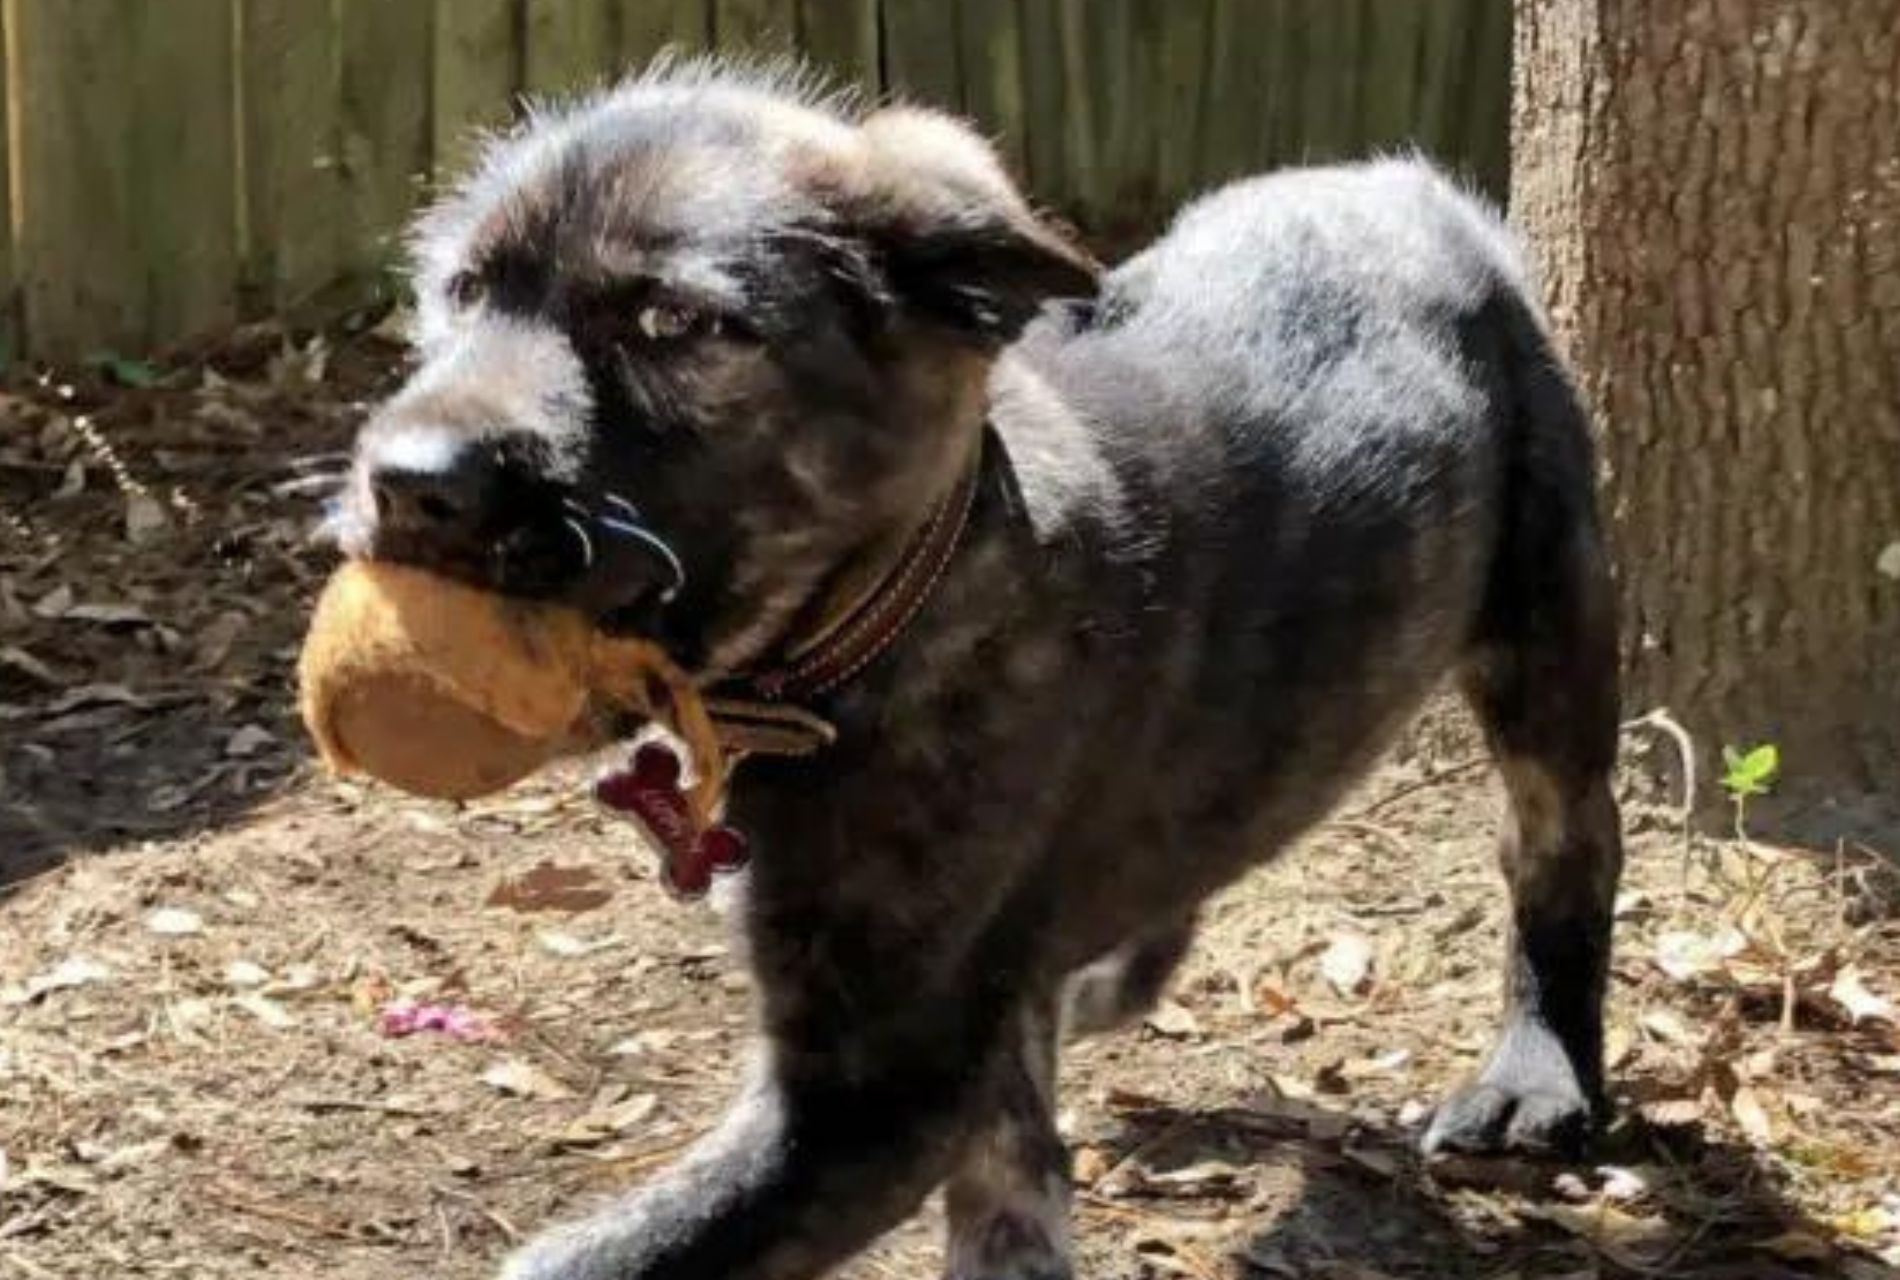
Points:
[(1849, 991), (175, 922), (1346, 964), (549, 887), (1174, 1020), (520, 1078), (74, 971), (607, 1122)]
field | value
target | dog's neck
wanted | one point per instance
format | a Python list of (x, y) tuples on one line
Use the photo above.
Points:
[(859, 614)]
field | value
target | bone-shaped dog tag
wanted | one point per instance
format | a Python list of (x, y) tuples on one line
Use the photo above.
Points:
[(648, 792)]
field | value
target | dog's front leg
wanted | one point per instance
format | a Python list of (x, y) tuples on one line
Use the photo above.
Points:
[(803, 1172)]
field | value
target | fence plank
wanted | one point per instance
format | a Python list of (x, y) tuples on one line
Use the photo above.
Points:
[(571, 44), (129, 231), (1112, 84), (1329, 38), (1081, 100), (1247, 39), (295, 196), (10, 344), (840, 37), (991, 57), (386, 133), (1484, 148), (756, 26), (1180, 82), (1044, 92), (1444, 77), (920, 52), (478, 74), (649, 26), (1394, 33)]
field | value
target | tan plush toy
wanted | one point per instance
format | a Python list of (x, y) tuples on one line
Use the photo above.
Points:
[(445, 691)]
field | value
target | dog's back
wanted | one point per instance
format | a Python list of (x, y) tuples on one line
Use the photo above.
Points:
[(1300, 408)]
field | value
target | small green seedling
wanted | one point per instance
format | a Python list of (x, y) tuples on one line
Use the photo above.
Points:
[(1751, 773)]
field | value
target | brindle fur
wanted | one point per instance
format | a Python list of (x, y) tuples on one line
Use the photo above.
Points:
[(1238, 514)]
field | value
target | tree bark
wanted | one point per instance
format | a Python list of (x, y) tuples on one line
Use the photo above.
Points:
[(1712, 192)]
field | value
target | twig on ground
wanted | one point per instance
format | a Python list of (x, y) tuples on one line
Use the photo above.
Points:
[(1193, 1259), (1660, 720), (279, 1213), (1357, 826), (508, 1229), (1431, 779)]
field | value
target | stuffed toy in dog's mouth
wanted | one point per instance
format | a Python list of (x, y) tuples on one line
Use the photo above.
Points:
[(448, 692)]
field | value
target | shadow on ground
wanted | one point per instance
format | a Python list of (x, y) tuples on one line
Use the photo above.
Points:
[(156, 566), (1355, 1201)]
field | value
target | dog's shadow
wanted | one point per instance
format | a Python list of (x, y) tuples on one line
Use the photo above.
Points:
[(1235, 1192)]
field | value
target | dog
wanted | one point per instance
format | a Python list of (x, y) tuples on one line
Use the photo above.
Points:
[(1143, 567)]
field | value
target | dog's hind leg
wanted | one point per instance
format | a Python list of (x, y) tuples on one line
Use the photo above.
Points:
[(1127, 982), (1008, 1200), (1543, 680)]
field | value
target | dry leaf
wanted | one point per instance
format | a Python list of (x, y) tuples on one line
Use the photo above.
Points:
[(548, 887), (525, 1080), (74, 971), (1673, 1113), (248, 740), (1797, 1246), (569, 947), (1685, 955), (607, 1123), (1860, 1004), (658, 1040), (1347, 963), (145, 519), (1172, 1019), (244, 974), (1383, 1163), (1863, 1224), (54, 603), (175, 922), (1623, 1238), (1621, 1184), (109, 615), (1665, 1026), (265, 1010), (1090, 1164), (1749, 1113), (1382, 1065), (1272, 1001)]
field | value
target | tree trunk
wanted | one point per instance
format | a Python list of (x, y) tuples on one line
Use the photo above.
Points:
[(1712, 193)]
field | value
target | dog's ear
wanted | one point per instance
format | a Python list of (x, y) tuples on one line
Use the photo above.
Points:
[(954, 237)]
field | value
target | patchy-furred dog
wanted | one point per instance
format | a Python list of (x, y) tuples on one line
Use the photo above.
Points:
[(1238, 506)]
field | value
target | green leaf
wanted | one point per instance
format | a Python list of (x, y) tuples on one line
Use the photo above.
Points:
[(1753, 772), (126, 372)]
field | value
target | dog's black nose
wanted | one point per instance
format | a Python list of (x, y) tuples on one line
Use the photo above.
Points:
[(440, 504), (468, 509)]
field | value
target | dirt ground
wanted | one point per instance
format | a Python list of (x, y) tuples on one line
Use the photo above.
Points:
[(201, 940)]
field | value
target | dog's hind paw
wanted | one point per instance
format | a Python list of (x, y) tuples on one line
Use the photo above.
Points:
[(1485, 1118)]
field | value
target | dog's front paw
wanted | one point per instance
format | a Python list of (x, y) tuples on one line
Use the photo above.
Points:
[(1527, 1101), (566, 1254)]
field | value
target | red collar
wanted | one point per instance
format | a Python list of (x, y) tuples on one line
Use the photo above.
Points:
[(759, 712)]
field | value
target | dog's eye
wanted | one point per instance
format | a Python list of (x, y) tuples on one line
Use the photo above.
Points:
[(466, 289), (669, 322)]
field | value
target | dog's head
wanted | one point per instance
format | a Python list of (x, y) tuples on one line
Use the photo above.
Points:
[(704, 317)]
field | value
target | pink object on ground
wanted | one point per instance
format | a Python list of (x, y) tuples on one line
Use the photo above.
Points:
[(458, 1022)]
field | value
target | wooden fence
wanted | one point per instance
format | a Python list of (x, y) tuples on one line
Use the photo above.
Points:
[(172, 166)]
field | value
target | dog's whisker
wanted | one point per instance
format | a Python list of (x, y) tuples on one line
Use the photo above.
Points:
[(579, 530)]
